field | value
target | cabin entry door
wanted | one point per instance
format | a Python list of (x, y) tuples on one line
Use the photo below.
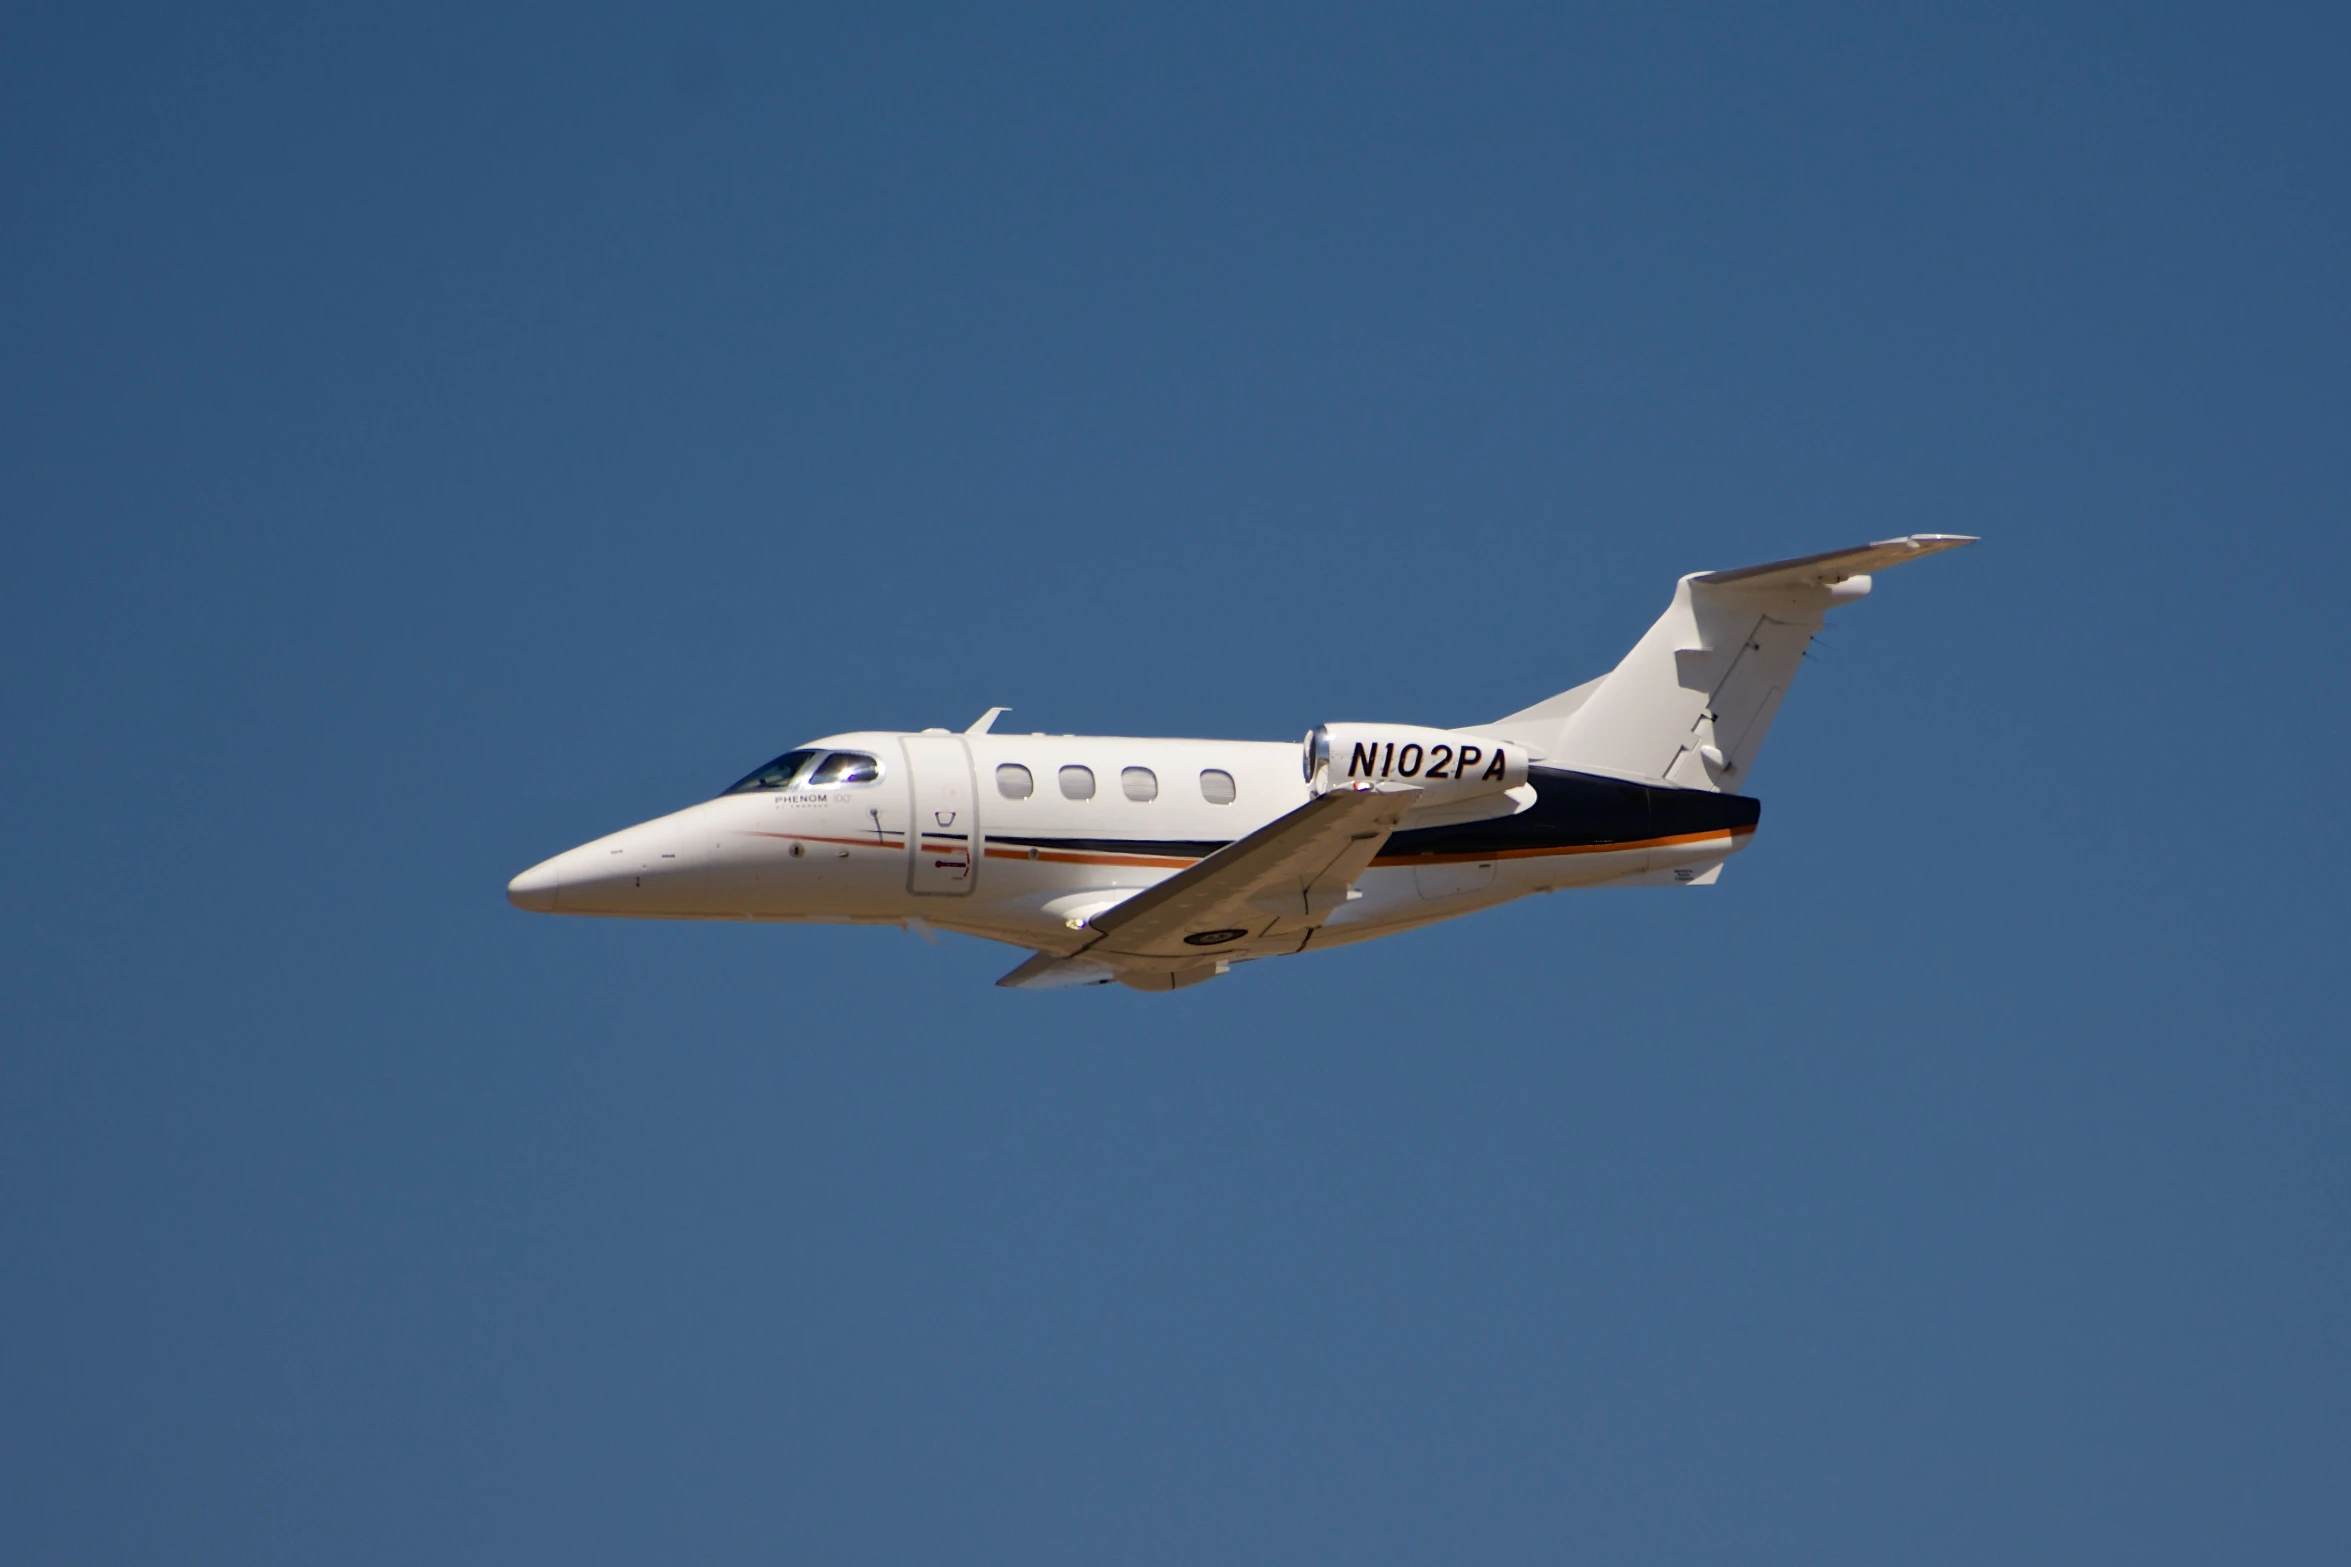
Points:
[(943, 839)]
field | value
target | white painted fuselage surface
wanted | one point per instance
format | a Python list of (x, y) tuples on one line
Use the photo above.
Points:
[(1158, 862)]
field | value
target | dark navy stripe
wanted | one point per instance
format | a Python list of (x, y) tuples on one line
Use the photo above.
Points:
[(1571, 811), (1580, 811)]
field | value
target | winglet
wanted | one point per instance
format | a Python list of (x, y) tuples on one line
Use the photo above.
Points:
[(987, 720)]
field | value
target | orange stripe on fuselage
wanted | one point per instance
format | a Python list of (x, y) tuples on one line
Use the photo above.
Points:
[(1385, 861), (1073, 857), (853, 843)]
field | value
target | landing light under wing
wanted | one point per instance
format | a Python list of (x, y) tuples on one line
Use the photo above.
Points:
[(1262, 895)]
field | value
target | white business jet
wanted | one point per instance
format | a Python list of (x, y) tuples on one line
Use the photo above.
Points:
[(1161, 863)]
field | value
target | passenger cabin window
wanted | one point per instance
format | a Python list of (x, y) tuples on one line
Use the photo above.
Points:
[(1077, 783), (1140, 784), (1015, 782), (843, 767), (777, 774), (1216, 786)]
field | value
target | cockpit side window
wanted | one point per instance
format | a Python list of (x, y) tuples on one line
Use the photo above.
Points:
[(777, 774), (844, 767)]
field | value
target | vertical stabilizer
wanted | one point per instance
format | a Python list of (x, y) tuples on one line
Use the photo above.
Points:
[(1693, 700)]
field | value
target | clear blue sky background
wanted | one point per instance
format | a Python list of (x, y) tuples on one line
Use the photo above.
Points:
[(433, 437)]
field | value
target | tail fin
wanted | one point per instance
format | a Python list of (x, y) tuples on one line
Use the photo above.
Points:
[(1692, 701)]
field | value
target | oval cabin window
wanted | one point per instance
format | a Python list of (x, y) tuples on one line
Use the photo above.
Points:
[(1216, 786), (1077, 783), (1015, 782), (1140, 784)]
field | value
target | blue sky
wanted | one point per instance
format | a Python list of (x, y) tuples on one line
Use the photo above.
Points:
[(432, 437)]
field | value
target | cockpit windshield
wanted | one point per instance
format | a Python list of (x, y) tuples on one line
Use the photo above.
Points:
[(844, 767), (803, 770), (777, 774)]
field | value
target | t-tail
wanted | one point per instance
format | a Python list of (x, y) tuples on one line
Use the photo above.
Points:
[(1691, 703)]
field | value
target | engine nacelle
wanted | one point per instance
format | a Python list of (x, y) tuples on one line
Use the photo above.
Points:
[(1446, 763)]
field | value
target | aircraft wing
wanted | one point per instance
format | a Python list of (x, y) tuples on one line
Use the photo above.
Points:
[(1262, 895)]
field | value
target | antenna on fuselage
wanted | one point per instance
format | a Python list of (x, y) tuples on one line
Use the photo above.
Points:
[(987, 720)]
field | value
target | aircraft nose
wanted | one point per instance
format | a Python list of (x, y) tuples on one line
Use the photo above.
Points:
[(535, 888)]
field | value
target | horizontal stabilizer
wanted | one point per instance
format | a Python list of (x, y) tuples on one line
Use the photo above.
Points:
[(1821, 571)]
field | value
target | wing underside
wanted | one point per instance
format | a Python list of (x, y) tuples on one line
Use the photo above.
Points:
[(1262, 896)]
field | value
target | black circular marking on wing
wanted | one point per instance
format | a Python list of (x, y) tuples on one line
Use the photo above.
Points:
[(1213, 938)]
